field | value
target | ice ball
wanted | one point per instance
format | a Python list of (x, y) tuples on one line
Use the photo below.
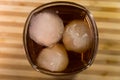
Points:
[(77, 36), (53, 58), (46, 28)]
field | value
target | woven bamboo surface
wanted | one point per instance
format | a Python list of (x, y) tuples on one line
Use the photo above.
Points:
[(14, 64)]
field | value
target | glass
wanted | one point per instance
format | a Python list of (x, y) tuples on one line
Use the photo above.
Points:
[(67, 11)]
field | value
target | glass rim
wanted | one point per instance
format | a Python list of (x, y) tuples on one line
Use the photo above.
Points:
[(90, 16)]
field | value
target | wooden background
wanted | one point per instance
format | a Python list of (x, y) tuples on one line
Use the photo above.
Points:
[(14, 64)]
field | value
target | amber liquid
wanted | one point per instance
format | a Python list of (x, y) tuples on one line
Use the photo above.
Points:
[(77, 61)]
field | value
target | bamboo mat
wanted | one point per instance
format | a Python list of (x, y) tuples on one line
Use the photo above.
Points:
[(14, 64)]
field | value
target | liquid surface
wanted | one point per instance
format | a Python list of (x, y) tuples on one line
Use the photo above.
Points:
[(77, 61)]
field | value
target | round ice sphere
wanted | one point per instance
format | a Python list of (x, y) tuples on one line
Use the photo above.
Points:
[(54, 58), (46, 28), (77, 36)]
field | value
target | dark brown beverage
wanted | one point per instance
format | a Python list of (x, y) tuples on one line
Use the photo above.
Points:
[(67, 12)]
